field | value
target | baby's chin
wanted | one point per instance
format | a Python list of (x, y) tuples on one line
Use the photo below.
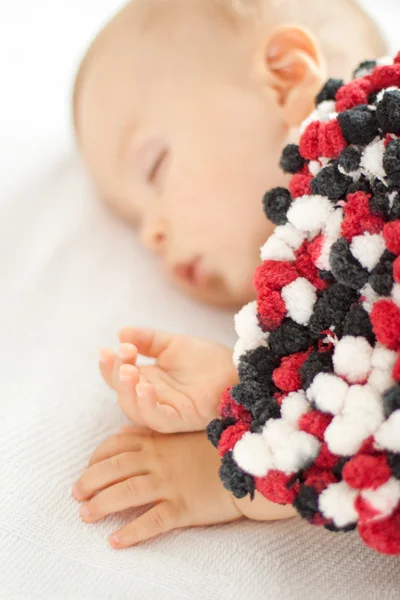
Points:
[(217, 294)]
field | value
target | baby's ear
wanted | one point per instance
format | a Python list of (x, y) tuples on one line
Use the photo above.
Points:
[(294, 67)]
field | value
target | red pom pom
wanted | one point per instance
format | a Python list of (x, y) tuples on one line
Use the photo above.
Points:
[(326, 459), (368, 447), (396, 270), (274, 274), (279, 397), (319, 479), (271, 309), (309, 143), (383, 534), (357, 217), (300, 184), (385, 76), (273, 487), (385, 319), (396, 369), (364, 471), (331, 140), (287, 376), (354, 93), (306, 267), (315, 247), (315, 423), (366, 512), (231, 436), (228, 408), (391, 234)]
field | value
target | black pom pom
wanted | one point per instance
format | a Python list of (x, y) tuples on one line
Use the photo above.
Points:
[(289, 338), (259, 364), (362, 185), (247, 393), (216, 428), (364, 68), (306, 502), (315, 363), (391, 161), (326, 276), (329, 90), (330, 182), (235, 480), (350, 159), (335, 529), (388, 112), (276, 204), (291, 159), (391, 400), (359, 125), (395, 208), (345, 267), (263, 411), (331, 308), (381, 279), (379, 205), (394, 464), (358, 324)]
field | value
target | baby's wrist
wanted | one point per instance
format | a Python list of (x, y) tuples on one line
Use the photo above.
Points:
[(261, 509)]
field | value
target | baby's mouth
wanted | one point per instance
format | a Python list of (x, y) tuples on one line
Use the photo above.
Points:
[(192, 272)]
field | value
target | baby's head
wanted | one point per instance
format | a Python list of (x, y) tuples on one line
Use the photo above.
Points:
[(182, 108)]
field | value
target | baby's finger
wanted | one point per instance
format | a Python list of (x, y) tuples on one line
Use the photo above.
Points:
[(116, 444), (127, 355), (133, 492), (161, 518), (128, 379), (149, 342), (106, 364), (109, 472), (160, 417)]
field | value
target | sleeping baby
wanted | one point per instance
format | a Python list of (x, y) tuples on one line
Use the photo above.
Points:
[(182, 109)]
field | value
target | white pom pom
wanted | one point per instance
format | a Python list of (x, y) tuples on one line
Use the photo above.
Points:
[(294, 406), (287, 233), (275, 249), (328, 392), (361, 416), (246, 323), (385, 498), (368, 249), (314, 166), (310, 213), (388, 434), (396, 293), (370, 297), (352, 358), (383, 358), (334, 225), (372, 159), (299, 297), (380, 380), (291, 449), (337, 502), (252, 455)]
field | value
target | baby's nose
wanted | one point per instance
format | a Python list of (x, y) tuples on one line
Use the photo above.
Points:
[(154, 237)]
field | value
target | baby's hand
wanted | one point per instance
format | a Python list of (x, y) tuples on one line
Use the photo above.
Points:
[(177, 474), (181, 391)]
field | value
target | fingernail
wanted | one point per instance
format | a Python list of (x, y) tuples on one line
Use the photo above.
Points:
[(125, 351), (85, 513), (116, 541)]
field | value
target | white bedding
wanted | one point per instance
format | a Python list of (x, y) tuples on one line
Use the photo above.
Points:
[(71, 275)]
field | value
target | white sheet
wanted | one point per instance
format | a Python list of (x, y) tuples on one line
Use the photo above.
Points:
[(70, 276)]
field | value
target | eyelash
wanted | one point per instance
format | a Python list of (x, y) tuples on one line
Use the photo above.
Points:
[(155, 170)]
